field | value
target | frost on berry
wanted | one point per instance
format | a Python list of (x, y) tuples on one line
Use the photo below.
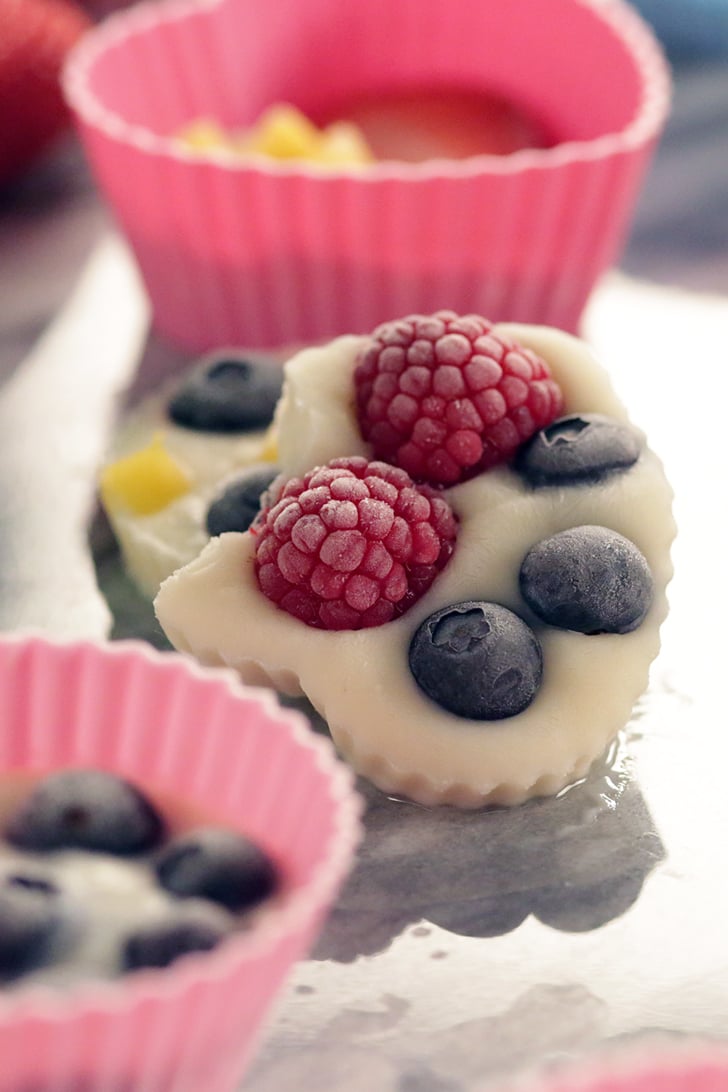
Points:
[(352, 544), (444, 397)]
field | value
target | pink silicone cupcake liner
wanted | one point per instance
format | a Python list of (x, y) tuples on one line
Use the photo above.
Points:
[(266, 253), (667, 1065), (201, 737)]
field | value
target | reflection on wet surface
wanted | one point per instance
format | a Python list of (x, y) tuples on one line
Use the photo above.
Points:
[(574, 862)]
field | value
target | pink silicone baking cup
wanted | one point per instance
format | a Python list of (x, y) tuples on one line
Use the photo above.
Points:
[(263, 253), (233, 752), (667, 1065)]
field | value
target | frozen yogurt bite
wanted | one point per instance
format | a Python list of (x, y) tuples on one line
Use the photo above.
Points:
[(462, 564), (189, 461), (97, 879)]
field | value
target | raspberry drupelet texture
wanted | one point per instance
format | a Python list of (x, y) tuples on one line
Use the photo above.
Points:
[(444, 397), (352, 544)]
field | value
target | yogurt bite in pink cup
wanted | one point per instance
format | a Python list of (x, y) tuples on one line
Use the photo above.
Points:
[(246, 249), (197, 744)]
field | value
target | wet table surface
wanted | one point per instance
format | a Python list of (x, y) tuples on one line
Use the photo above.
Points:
[(465, 947)]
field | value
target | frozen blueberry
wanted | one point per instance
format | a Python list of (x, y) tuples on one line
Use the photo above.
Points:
[(477, 660), (239, 504), (31, 915), (160, 943), (85, 809), (217, 864), (588, 579), (581, 449), (228, 394)]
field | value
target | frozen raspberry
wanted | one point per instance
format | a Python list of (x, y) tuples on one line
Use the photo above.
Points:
[(444, 397), (352, 544)]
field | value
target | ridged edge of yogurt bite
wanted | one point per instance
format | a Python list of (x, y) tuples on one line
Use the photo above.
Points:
[(316, 391)]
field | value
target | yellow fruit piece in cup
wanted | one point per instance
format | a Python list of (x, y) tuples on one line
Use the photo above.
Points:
[(269, 450), (145, 481), (283, 132), (204, 135), (342, 142)]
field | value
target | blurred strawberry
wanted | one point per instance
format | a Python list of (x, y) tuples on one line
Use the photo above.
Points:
[(35, 36)]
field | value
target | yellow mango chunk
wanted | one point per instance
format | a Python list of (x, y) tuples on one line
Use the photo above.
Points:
[(342, 142), (269, 450), (204, 134), (283, 132), (145, 481)]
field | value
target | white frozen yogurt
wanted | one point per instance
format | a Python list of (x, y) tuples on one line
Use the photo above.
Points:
[(360, 681)]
